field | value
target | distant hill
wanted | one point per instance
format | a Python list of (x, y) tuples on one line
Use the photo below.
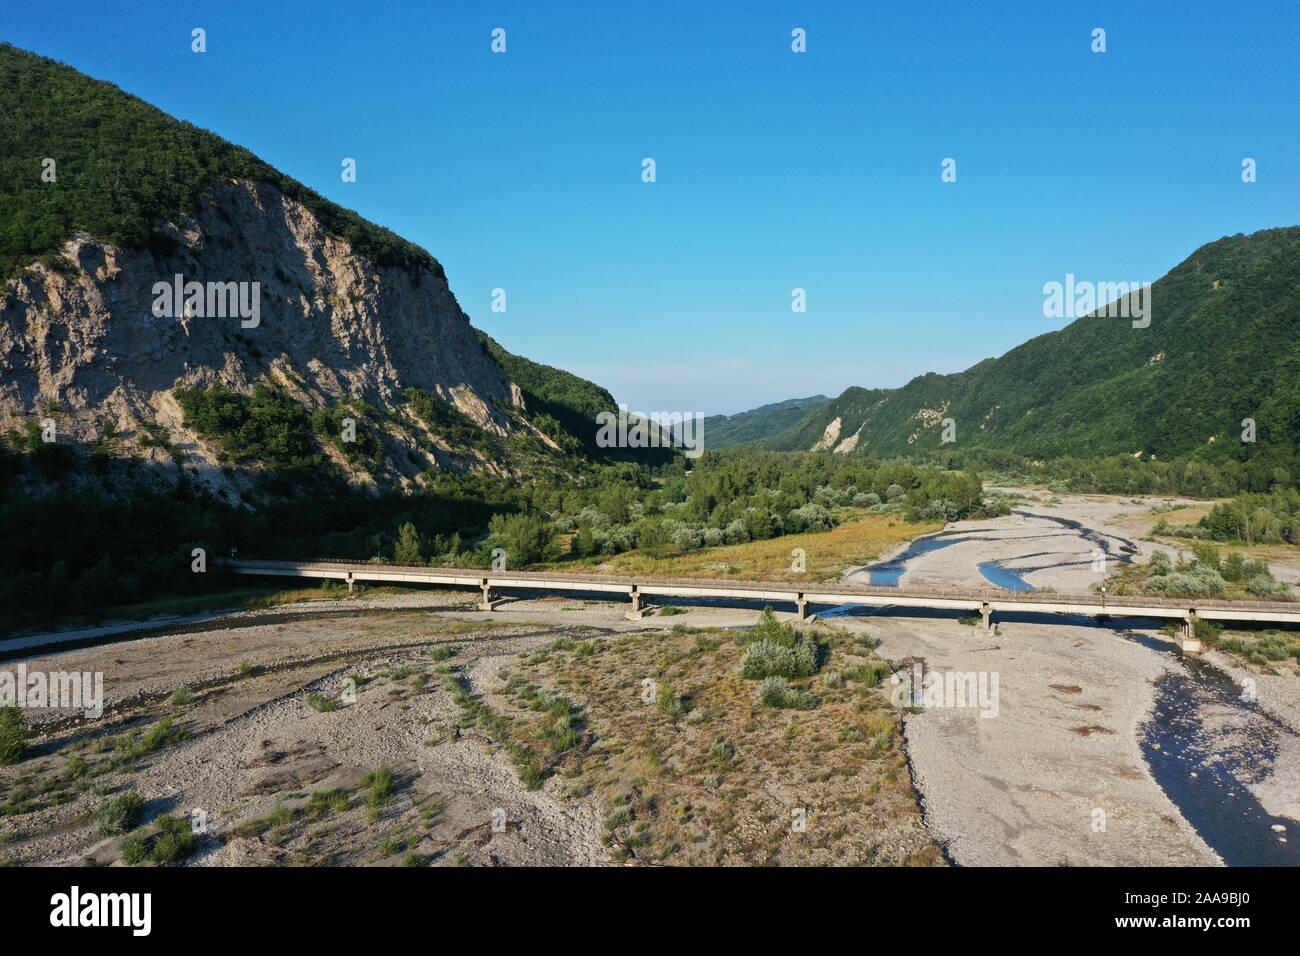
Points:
[(1223, 345), (723, 431)]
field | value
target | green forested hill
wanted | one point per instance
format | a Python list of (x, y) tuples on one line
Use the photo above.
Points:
[(723, 431), (122, 165), (1223, 345)]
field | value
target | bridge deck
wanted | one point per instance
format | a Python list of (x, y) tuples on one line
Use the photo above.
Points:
[(984, 599)]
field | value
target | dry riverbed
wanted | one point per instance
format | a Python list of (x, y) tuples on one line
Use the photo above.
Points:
[(424, 733), (411, 729)]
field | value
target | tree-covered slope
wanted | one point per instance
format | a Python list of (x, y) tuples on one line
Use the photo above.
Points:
[(572, 402), (723, 431), (1223, 345), (122, 165)]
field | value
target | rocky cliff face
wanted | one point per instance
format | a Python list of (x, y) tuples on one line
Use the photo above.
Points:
[(82, 340)]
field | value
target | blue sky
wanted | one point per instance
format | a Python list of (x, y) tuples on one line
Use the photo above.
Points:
[(775, 170)]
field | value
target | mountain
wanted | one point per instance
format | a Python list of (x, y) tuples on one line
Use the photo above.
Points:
[(723, 431), (298, 335), (1223, 345)]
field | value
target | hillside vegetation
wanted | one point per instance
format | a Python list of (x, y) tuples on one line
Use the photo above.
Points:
[(766, 421), (1223, 345), (123, 165)]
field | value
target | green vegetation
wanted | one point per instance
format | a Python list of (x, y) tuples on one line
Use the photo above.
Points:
[(526, 538), (1221, 348), (774, 692), (380, 784), (776, 652), (766, 421), (564, 407), (1272, 518), (181, 697), (669, 702), (320, 801), (172, 841), (13, 740), (1207, 575), (132, 747), (321, 704), (268, 427), (81, 549), (124, 166), (119, 815)]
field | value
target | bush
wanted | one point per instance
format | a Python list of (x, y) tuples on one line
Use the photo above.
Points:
[(119, 815), (776, 649), (774, 692), (667, 701), (12, 739), (380, 783), (175, 841), (1196, 581), (767, 659), (1263, 586)]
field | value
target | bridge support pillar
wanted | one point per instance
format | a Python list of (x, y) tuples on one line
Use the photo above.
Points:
[(1189, 642), (802, 604), (986, 615), (637, 611), (351, 584), (486, 603)]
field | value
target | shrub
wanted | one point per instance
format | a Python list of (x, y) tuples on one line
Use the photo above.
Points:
[(774, 692), (721, 753), (175, 841), (1263, 586), (1234, 567), (134, 851), (119, 815), (380, 783), (1196, 581), (12, 739), (767, 659), (667, 701)]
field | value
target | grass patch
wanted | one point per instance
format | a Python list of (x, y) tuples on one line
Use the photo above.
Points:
[(321, 704), (119, 815), (13, 738)]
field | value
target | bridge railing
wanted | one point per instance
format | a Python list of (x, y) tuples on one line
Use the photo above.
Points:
[(938, 592)]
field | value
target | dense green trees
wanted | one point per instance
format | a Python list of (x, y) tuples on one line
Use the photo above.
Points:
[(525, 538), (121, 166)]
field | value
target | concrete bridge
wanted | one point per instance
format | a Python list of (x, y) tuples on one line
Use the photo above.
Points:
[(983, 601)]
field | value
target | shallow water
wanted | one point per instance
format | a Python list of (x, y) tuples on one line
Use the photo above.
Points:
[(1201, 771), (1009, 578), (886, 574)]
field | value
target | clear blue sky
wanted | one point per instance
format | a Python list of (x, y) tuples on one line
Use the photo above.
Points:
[(775, 170)]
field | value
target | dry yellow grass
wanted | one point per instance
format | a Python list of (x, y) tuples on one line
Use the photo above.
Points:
[(855, 542), (731, 781)]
